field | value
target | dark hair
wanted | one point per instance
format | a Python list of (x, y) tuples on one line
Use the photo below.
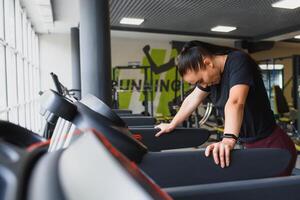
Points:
[(191, 55)]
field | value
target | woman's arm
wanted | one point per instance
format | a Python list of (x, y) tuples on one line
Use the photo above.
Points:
[(234, 112), (234, 109), (190, 103)]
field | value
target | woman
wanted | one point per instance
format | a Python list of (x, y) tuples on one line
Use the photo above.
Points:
[(233, 82)]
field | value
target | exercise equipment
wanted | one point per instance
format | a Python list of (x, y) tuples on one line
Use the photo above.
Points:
[(124, 112), (146, 90), (167, 169), (56, 105), (63, 90), (295, 60), (69, 174), (179, 138), (171, 169), (285, 116), (53, 106), (17, 135), (135, 119), (40, 175), (164, 167)]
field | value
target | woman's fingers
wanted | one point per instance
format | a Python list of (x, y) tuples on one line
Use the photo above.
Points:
[(208, 149), (220, 152), (216, 153), (163, 129), (159, 133), (227, 155)]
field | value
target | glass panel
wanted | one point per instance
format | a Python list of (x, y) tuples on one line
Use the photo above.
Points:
[(28, 117), (32, 45), (24, 32), (12, 85), (3, 116), (37, 51), (21, 90), (272, 77), (33, 49), (26, 89), (37, 105), (31, 96), (22, 116), (18, 26), (1, 20), (29, 41), (3, 103), (19, 76), (9, 12)]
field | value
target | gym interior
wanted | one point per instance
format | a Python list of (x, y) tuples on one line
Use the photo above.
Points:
[(84, 83)]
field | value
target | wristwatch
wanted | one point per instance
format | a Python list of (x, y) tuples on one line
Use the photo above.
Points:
[(230, 135)]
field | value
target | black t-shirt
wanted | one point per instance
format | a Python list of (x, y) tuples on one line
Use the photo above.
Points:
[(258, 121)]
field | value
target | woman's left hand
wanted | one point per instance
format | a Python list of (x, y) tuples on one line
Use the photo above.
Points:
[(221, 151)]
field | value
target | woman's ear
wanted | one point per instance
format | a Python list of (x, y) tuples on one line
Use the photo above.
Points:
[(208, 62)]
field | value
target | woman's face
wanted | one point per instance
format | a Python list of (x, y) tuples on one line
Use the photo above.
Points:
[(205, 76)]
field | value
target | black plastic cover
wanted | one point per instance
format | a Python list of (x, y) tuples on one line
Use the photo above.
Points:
[(100, 107), (18, 135), (57, 105), (119, 136)]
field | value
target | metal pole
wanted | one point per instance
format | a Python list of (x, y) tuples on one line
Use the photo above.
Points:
[(75, 56), (95, 52)]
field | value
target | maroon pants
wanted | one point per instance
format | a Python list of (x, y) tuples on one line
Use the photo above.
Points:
[(278, 139)]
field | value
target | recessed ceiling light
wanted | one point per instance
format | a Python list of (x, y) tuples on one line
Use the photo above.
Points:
[(271, 66), (297, 37), (131, 21), (223, 28), (288, 4)]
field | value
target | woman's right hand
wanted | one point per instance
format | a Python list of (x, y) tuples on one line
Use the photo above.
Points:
[(164, 128)]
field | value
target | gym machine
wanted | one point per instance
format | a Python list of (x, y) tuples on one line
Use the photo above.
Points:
[(146, 89), (197, 177)]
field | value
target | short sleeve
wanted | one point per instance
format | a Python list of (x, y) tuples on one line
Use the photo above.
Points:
[(206, 89), (241, 70)]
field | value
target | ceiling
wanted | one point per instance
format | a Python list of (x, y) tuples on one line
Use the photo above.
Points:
[(254, 19)]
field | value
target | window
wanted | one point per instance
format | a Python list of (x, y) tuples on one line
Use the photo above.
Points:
[(27, 96), (19, 44), (12, 96), (21, 91), (272, 74), (29, 47), (33, 47), (3, 101), (24, 32), (9, 16), (37, 63), (19, 67), (1, 20), (37, 103), (31, 96)]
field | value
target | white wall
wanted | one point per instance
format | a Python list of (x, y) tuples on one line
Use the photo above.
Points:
[(55, 56), (124, 50)]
